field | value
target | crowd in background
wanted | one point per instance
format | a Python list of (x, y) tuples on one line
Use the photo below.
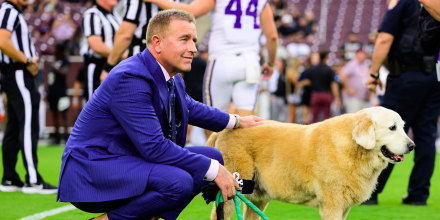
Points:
[(56, 25), (290, 99)]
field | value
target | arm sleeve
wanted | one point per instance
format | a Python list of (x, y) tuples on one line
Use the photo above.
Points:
[(92, 25), (391, 21), (132, 10), (8, 19)]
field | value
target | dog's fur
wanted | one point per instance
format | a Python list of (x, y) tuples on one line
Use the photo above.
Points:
[(332, 165)]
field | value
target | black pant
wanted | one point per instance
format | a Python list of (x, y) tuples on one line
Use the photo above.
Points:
[(416, 97), (22, 129), (93, 70)]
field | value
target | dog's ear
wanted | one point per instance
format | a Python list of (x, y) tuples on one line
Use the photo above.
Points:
[(363, 132)]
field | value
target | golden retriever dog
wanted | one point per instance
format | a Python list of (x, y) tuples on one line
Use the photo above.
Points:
[(332, 165)]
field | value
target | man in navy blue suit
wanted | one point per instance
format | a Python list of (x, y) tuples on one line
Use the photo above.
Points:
[(119, 158)]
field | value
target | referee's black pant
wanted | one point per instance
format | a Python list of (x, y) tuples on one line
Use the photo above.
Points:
[(94, 67), (22, 128)]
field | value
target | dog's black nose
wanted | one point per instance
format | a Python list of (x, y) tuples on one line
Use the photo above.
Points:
[(411, 146)]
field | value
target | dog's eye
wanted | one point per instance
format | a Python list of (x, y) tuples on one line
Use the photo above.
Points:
[(393, 128)]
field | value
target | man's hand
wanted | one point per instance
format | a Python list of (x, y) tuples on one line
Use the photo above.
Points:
[(226, 182), (103, 75), (250, 121), (33, 66), (372, 83), (337, 102), (267, 71)]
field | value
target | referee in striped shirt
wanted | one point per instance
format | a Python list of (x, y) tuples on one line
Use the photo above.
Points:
[(18, 65), (100, 26), (131, 32)]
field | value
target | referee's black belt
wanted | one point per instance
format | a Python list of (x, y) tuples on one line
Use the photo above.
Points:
[(88, 59), (411, 68)]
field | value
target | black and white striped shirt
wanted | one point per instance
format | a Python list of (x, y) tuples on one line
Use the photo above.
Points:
[(12, 20), (139, 13), (98, 21)]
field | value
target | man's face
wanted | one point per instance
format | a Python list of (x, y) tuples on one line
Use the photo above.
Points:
[(361, 56), (178, 46)]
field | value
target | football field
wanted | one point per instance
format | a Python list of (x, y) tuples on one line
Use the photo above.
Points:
[(17, 205)]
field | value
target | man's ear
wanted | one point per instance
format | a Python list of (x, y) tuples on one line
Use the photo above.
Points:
[(363, 132), (156, 41)]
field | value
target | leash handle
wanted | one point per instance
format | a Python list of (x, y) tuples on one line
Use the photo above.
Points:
[(220, 206)]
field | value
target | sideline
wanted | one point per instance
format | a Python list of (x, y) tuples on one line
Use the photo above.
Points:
[(48, 213)]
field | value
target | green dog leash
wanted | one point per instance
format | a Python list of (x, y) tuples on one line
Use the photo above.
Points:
[(219, 203)]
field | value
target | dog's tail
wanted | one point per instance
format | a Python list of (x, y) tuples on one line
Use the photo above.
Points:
[(211, 140)]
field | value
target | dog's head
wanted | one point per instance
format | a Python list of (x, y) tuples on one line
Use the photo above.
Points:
[(378, 128)]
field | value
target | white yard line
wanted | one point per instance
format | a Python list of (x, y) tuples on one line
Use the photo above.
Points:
[(48, 213)]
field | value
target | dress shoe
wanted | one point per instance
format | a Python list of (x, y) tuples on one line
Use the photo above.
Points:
[(411, 201)]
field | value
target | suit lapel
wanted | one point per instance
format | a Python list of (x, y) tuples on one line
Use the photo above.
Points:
[(158, 77)]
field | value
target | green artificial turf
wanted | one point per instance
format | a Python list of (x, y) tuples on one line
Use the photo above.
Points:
[(16, 205)]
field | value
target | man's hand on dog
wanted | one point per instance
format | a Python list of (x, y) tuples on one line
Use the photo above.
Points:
[(226, 182), (250, 121)]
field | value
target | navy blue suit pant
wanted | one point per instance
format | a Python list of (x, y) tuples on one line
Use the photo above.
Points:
[(169, 191)]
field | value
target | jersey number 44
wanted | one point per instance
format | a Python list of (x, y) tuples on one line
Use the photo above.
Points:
[(234, 8)]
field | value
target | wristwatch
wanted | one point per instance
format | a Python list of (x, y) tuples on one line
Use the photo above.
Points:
[(375, 76), (28, 61)]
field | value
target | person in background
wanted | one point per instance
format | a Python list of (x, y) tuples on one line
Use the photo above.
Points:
[(325, 89), (293, 96), (412, 90), (298, 52), (277, 88), (100, 25), (19, 66), (369, 47), (312, 60), (354, 75), (350, 47), (56, 92)]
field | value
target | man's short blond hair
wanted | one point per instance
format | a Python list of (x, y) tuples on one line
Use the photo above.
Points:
[(159, 24)]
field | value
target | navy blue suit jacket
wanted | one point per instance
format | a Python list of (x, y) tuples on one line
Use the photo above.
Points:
[(122, 131)]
